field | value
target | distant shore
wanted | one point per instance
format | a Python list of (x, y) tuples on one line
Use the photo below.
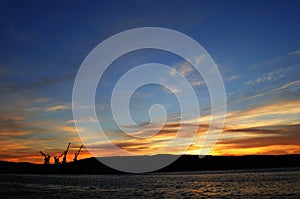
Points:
[(184, 163)]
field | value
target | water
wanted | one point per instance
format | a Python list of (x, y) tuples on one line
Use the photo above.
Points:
[(235, 184)]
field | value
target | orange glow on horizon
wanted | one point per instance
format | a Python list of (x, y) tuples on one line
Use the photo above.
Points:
[(259, 130)]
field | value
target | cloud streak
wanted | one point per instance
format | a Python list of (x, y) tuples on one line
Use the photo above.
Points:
[(271, 76), (296, 52), (58, 108), (255, 129)]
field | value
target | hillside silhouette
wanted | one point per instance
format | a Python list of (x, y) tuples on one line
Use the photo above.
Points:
[(183, 163)]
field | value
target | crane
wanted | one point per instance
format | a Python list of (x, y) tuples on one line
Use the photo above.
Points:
[(65, 154), (77, 153), (56, 158), (46, 157)]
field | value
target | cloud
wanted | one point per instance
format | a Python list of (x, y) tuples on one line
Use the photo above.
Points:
[(233, 77), (267, 129), (172, 90), (24, 131), (264, 115), (262, 136), (296, 52), (59, 107), (288, 85), (70, 129), (17, 126), (283, 88), (138, 143), (42, 100), (71, 121), (198, 83), (5, 134), (201, 82), (271, 76), (184, 69), (35, 82), (283, 135), (255, 129)]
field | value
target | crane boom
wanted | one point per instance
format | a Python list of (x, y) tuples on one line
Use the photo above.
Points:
[(79, 150), (65, 154), (43, 154), (68, 147), (47, 157), (76, 154)]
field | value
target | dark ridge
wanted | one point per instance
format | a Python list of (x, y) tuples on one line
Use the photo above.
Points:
[(183, 163), (194, 163)]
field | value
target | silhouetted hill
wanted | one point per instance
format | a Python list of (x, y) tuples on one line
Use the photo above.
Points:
[(194, 163), (183, 163)]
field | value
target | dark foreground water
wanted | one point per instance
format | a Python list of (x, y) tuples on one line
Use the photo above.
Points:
[(235, 184)]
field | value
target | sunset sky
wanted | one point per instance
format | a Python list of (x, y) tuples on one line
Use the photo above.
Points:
[(255, 44)]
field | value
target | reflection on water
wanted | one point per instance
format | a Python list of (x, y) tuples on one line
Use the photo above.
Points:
[(250, 184)]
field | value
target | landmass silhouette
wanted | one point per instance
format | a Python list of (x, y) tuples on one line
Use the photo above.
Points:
[(184, 163)]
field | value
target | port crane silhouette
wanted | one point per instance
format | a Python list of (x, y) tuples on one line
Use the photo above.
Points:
[(46, 157), (65, 154), (56, 158), (77, 153)]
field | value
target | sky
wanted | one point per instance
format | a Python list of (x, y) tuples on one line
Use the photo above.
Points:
[(255, 44)]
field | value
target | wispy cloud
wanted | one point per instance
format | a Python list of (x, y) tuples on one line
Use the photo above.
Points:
[(280, 112), (183, 68), (172, 90), (198, 83), (281, 139), (296, 52), (271, 76), (288, 85), (59, 107), (230, 78), (257, 129), (279, 90)]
